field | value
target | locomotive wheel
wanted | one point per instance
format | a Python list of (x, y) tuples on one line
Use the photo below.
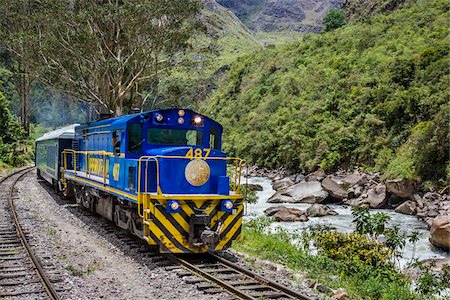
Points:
[(78, 193)]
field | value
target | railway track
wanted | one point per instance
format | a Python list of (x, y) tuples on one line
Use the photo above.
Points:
[(210, 273), (222, 274), (21, 274)]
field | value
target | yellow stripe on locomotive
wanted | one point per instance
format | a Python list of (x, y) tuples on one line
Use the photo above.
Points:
[(164, 173)]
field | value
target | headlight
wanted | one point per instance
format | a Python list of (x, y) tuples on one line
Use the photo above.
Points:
[(198, 120), (159, 117), (173, 206), (181, 112), (180, 121), (227, 205)]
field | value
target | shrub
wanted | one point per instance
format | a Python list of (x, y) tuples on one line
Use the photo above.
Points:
[(334, 19), (353, 248)]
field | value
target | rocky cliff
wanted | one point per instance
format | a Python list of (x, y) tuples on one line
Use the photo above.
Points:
[(281, 15), (358, 10)]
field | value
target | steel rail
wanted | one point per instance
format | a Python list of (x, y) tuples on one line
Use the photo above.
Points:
[(50, 290), (200, 272), (230, 288), (259, 278)]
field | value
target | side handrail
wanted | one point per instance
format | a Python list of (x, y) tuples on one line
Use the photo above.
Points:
[(87, 155), (237, 173)]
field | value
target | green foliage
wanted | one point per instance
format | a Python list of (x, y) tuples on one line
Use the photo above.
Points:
[(11, 134), (335, 18), (429, 282), (353, 248), (366, 223), (372, 94)]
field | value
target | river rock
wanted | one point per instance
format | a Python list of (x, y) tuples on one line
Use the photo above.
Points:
[(254, 187), (354, 179), (401, 187), (406, 208), (278, 197), (440, 232), (334, 186), (341, 295), (306, 192), (299, 178), (431, 197), (376, 197), (273, 210), (291, 215), (316, 176), (394, 201), (320, 210), (282, 184)]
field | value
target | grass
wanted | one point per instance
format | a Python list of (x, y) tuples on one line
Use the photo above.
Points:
[(81, 272), (362, 282), (51, 231)]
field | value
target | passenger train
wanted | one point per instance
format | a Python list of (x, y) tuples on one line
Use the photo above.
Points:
[(160, 174)]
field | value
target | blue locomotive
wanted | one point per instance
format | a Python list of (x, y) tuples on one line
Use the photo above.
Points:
[(160, 174)]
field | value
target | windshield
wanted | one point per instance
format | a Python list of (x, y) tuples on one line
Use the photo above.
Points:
[(182, 137)]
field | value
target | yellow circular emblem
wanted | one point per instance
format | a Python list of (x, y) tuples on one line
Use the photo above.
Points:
[(197, 172)]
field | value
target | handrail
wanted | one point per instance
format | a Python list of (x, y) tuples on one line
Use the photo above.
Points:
[(237, 162), (87, 155)]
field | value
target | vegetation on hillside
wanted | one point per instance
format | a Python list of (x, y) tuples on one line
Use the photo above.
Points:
[(11, 137), (373, 94)]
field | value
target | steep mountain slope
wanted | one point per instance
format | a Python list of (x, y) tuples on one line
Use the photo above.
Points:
[(281, 15), (373, 94), (357, 10), (223, 25)]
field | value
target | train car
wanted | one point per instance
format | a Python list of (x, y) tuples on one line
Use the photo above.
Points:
[(160, 174), (48, 153)]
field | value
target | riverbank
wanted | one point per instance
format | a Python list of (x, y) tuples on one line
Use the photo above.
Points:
[(343, 221), (356, 189), (280, 242)]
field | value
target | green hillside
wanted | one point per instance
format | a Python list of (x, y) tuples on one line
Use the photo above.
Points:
[(374, 94)]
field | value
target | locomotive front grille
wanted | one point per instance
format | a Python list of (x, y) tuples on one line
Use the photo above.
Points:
[(200, 226)]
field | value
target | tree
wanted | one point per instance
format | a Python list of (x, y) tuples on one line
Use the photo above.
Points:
[(109, 52), (334, 19), (19, 35)]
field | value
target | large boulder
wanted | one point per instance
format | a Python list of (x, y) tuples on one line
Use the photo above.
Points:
[(291, 215), (320, 210), (440, 232), (316, 176), (402, 188), (354, 179), (306, 192), (335, 187), (407, 208), (278, 197), (282, 184), (376, 196), (254, 187), (273, 210)]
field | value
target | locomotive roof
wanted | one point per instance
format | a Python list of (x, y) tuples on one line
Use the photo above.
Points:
[(120, 122), (67, 132)]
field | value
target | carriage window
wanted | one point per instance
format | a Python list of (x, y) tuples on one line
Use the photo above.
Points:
[(180, 137), (135, 138), (213, 138)]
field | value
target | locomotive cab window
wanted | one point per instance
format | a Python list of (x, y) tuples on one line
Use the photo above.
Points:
[(116, 141), (213, 138), (181, 137), (135, 138)]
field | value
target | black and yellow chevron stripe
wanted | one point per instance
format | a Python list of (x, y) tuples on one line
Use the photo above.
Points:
[(171, 231)]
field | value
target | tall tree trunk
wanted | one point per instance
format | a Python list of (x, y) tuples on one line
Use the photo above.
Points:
[(23, 88)]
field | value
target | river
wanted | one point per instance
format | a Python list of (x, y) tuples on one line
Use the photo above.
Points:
[(343, 221)]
